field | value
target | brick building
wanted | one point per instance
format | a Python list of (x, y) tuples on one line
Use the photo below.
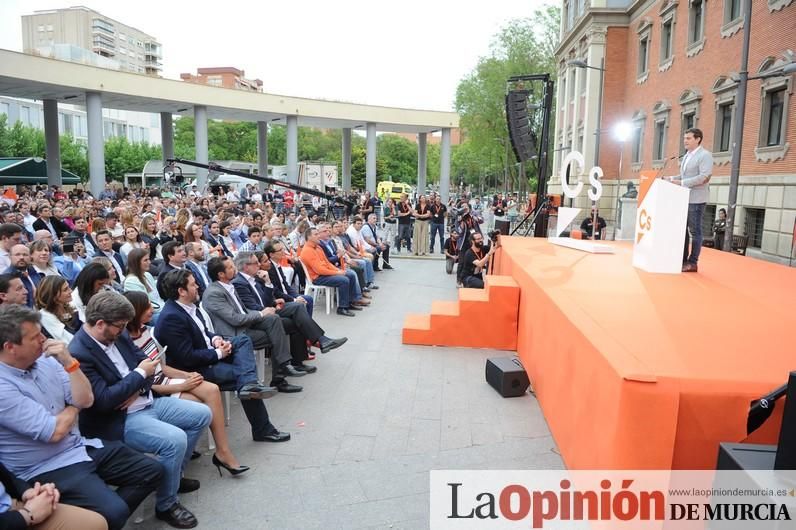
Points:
[(669, 65), (225, 77)]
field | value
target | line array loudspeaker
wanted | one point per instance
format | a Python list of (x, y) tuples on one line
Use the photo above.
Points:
[(523, 139)]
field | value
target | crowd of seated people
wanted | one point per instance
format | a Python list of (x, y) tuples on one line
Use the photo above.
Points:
[(124, 318)]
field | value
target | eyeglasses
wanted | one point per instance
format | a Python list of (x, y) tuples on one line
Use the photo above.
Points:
[(119, 325)]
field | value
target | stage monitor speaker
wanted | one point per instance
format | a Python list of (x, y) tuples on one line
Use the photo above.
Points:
[(523, 139), (507, 376), (503, 226)]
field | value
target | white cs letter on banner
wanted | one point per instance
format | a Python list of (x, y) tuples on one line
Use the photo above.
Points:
[(573, 156), (595, 175)]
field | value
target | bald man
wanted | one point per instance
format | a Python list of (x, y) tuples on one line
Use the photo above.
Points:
[(20, 263)]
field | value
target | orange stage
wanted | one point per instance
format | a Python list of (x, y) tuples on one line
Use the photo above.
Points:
[(635, 370)]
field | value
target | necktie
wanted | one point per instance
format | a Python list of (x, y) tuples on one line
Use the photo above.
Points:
[(253, 283), (281, 275)]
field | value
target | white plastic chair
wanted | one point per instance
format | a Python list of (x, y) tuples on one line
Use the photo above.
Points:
[(313, 290)]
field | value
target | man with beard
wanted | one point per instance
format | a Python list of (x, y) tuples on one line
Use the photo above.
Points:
[(196, 264), (475, 260), (20, 260)]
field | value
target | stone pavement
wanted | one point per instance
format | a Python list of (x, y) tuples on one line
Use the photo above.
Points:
[(369, 425)]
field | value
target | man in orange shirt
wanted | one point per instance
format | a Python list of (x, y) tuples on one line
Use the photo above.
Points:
[(322, 272)]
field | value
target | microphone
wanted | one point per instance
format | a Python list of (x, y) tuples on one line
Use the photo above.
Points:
[(666, 161)]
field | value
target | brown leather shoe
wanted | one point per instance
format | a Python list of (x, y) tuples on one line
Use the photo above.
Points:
[(690, 267), (361, 302)]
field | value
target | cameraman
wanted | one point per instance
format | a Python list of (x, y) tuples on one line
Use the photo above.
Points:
[(451, 250), (475, 260)]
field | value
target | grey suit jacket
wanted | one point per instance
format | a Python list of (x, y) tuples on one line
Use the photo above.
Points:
[(695, 171), (227, 320)]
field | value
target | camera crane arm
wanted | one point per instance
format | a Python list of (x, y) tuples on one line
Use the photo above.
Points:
[(260, 178)]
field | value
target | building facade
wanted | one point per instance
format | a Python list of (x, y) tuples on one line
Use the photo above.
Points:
[(670, 65), (225, 77), (133, 50), (135, 126), (82, 35)]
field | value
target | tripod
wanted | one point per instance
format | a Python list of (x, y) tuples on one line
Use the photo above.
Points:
[(535, 214)]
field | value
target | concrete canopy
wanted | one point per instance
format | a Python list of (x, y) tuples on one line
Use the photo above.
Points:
[(33, 77)]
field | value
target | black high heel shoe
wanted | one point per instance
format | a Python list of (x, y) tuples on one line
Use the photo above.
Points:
[(232, 470)]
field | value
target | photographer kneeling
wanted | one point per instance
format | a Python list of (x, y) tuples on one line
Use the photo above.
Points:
[(476, 258)]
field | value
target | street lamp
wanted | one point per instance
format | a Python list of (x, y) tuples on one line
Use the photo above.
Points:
[(578, 63), (622, 132), (740, 112)]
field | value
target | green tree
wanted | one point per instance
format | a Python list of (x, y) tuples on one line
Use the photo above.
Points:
[(122, 157), (73, 157), (398, 156), (523, 46)]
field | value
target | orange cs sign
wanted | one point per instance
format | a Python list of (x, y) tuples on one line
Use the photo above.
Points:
[(644, 224)]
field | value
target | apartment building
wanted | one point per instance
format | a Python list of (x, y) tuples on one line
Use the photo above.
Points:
[(132, 49), (79, 34), (225, 77)]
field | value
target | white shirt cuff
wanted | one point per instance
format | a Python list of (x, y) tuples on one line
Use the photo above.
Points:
[(140, 371), (219, 353)]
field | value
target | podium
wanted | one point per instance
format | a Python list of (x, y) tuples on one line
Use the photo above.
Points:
[(661, 221)]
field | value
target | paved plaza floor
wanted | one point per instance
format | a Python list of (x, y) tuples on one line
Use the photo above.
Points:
[(369, 425)]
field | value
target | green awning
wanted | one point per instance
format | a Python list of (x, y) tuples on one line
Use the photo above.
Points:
[(30, 171)]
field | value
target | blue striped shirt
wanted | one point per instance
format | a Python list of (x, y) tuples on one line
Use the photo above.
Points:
[(29, 402)]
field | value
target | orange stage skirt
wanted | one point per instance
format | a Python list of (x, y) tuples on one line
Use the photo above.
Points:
[(635, 370)]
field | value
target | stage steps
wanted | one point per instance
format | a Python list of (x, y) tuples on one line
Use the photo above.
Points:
[(480, 318)]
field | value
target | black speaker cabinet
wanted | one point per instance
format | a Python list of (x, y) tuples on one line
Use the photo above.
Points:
[(503, 226), (507, 376)]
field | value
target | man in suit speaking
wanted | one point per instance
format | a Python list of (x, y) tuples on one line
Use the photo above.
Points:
[(695, 171)]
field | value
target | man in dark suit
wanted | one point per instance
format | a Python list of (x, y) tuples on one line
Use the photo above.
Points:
[(47, 222), (174, 257), (20, 268), (264, 328), (124, 408), (105, 248), (213, 234), (275, 251), (81, 232), (301, 328), (195, 264), (185, 330)]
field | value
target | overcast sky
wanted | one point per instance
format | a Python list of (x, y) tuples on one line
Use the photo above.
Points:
[(407, 53)]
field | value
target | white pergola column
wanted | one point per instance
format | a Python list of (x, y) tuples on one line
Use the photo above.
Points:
[(370, 159), (52, 146), (422, 153), (292, 149), (347, 159), (96, 143), (445, 165), (167, 135), (262, 152), (200, 143)]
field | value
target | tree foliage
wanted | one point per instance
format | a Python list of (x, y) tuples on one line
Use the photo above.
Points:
[(121, 156), (523, 46)]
